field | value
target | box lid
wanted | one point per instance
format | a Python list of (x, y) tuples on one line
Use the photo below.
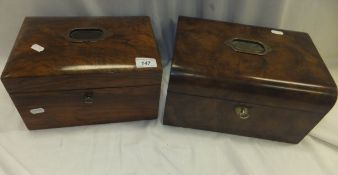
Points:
[(251, 65), (53, 53)]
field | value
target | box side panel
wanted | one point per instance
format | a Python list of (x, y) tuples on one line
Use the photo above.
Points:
[(219, 115), (92, 106), (316, 100)]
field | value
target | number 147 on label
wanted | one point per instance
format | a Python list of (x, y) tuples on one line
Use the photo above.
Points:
[(145, 62)]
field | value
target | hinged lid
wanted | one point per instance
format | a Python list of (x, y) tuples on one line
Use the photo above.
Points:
[(54, 53), (251, 65)]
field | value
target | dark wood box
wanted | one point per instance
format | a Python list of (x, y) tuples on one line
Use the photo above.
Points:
[(247, 80), (87, 72)]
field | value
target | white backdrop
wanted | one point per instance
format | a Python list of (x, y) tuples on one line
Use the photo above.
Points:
[(148, 147)]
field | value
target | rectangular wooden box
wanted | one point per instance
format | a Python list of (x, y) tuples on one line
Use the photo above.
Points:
[(86, 73), (247, 80)]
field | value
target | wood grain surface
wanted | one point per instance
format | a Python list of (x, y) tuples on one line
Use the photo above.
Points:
[(289, 86), (99, 60), (68, 108)]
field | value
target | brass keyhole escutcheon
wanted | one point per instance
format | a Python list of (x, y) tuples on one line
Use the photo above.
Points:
[(242, 112), (88, 97)]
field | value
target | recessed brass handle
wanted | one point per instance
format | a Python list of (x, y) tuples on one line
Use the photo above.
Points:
[(90, 34), (242, 112), (248, 46)]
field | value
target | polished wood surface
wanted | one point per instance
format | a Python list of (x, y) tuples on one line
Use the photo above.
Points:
[(68, 82), (275, 97), (291, 78), (125, 39), (293, 67), (68, 108), (100, 60), (219, 115)]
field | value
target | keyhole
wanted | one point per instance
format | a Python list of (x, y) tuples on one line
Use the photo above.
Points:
[(88, 98), (242, 112)]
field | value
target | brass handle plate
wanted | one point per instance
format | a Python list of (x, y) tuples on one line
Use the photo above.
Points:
[(89, 34), (248, 46)]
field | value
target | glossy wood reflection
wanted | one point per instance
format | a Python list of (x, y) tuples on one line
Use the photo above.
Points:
[(86, 73), (68, 108), (284, 81)]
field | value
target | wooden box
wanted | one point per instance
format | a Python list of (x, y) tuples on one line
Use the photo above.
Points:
[(67, 71), (247, 80)]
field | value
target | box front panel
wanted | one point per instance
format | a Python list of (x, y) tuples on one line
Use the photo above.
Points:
[(219, 115), (79, 107)]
